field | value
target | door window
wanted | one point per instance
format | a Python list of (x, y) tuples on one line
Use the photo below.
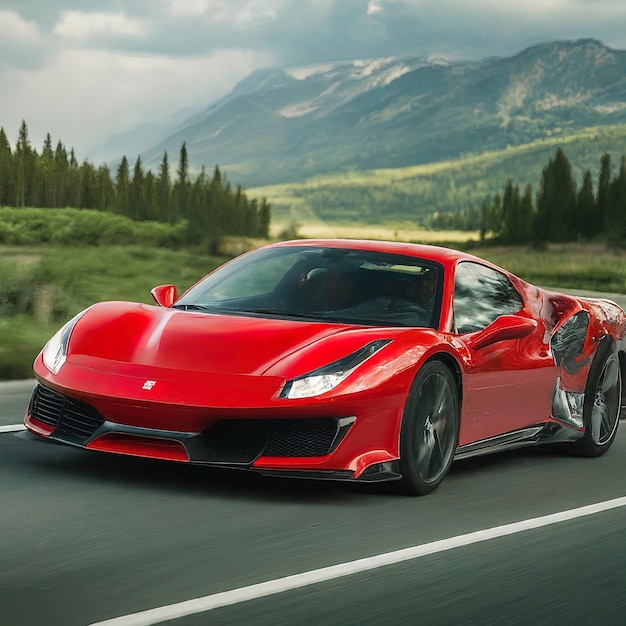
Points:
[(482, 294)]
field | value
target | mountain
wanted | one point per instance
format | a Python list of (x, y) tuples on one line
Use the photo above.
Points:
[(284, 125)]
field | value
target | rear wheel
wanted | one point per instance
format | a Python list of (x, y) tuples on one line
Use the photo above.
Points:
[(601, 409), (430, 429)]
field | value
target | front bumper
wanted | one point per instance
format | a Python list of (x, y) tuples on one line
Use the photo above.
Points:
[(298, 446)]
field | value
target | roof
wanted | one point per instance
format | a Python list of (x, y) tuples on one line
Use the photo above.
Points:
[(424, 251)]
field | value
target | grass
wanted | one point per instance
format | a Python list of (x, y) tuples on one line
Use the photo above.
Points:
[(591, 267), (80, 276)]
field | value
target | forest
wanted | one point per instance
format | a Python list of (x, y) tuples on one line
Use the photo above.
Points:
[(558, 212), (205, 207), (208, 207)]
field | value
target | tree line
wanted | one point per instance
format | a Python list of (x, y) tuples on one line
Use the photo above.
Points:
[(558, 212), (54, 178)]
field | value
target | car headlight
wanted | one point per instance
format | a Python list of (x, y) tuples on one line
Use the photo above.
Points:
[(328, 377), (55, 351)]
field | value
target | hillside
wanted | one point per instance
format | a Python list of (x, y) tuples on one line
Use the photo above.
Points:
[(281, 126), (400, 194)]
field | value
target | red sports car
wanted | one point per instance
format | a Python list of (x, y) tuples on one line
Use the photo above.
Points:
[(337, 359)]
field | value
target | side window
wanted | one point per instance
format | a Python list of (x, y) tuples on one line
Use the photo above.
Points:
[(481, 295)]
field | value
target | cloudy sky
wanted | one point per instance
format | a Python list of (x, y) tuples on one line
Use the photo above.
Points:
[(83, 69)]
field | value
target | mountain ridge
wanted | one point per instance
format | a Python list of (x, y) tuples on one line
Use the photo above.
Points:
[(281, 125)]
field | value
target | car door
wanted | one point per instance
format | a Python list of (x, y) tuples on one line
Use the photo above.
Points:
[(508, 382)]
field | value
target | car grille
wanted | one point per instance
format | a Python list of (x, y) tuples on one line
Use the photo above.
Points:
[(232, 441), (74, 421), (273, 437)]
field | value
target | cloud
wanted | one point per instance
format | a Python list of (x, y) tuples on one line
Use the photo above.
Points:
[(89, 94), (84, 26), (79, 68), (374, 7), (255, 11), (15, 29), (233, 13), (189, 8), (312, 31), (21, 42)]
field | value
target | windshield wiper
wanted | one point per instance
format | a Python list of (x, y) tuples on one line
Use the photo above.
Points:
[(194, 307), (255, 311)]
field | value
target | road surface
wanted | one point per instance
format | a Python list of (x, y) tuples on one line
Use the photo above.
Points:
[(85, 537)]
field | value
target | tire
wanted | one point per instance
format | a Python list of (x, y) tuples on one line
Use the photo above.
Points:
[(430, 429), (601, 408)]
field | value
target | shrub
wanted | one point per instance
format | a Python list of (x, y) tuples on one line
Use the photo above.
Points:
[(26, 226)]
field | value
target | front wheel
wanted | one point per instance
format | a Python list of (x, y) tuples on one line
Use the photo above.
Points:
[(601, 409), (430, 429)]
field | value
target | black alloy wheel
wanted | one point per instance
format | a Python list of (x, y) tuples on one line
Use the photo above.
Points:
[(430, 429), (601, 409)]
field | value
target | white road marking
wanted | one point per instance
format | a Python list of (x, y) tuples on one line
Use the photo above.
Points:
[(260, 590), (12, 428)]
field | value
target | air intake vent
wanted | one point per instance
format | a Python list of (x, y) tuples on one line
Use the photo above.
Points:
[(249, 438), (74, 421)]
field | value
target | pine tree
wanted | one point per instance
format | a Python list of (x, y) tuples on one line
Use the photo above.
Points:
[(556, 200), (122, 187), (90, 187), (47, 147), (60, 178), (47, 172), (496, 223), (264, 219), (105, 189), (163, 192), (25, 158), (181, 187), (197, 217), (604, 185), (137, 208), (510, 212), (526, 216), (616, 212), (588, 225), (239, 216), (75, 182), (216, 211), (151, 209), (7, 178), (484, 219), (183, 165)]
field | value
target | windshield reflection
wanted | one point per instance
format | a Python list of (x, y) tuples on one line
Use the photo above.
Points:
[(324, 284)]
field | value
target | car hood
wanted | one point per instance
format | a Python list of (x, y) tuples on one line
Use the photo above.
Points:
[(201, 342)]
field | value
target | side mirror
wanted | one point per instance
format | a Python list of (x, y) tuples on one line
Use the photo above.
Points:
[(164, 295), (502, 328)]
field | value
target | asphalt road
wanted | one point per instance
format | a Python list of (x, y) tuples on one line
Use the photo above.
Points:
[(85, 537)]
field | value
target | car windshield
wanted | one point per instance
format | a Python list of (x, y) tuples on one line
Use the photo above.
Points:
[(324, 284)]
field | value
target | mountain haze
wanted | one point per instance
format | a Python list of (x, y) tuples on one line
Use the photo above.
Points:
[(284, 125)]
